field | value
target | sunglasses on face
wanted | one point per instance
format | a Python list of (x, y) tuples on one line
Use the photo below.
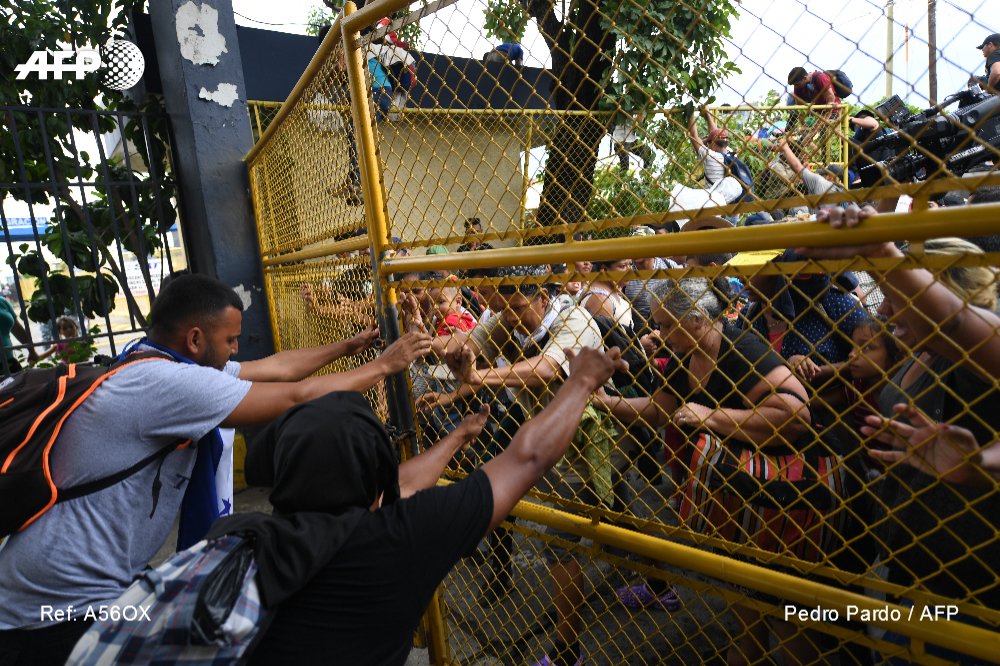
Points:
[(721, 142)]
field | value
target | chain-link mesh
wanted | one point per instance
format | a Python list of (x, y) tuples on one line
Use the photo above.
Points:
[(261, 115), (721, 500)]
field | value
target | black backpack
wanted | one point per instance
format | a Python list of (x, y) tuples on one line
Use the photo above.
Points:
[(639, 380), (34, 405)]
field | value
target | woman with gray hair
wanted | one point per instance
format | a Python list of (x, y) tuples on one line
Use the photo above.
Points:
[(740, 407)]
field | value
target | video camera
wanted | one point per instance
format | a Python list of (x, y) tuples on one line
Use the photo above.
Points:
[(920, 140)]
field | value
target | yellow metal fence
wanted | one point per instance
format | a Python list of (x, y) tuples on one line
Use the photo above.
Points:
[(736, 511)]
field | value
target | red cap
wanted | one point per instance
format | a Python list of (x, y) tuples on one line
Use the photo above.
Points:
[(717, 135)]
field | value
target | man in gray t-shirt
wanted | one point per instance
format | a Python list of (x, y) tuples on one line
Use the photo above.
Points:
[(58, 573), (829, 179)]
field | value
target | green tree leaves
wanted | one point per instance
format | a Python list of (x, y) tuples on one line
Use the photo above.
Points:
[(97, 206), (623, 56)]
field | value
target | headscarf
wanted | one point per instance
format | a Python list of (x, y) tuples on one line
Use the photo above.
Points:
[(327, 455), (326, 460)]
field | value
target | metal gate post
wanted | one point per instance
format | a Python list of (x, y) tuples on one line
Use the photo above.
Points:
[(400, 404)]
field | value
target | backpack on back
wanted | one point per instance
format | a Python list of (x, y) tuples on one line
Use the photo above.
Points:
[(841, 83), (34, 405), (741, 172), (638, 380), (201, 606)]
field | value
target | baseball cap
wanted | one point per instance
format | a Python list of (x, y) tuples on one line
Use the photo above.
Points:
[(713, 222), (717, 134), (834, 170), (991, 39)]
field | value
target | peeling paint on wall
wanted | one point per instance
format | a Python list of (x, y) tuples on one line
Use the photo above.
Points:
[(198, 34), (244, 295), (224, 95)]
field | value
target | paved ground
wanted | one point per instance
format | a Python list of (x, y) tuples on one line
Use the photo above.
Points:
[(516, 630)]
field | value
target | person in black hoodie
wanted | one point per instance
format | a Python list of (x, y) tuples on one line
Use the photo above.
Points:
[(357, 544)]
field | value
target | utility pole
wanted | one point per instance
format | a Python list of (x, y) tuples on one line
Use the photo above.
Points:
[(888, 49), (932, 50)]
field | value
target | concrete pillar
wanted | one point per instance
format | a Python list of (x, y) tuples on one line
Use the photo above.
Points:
[(205, 95)]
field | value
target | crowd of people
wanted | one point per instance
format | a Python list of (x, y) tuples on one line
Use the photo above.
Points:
[(706, 386), (793, 412), (809, 153), (793, 365)]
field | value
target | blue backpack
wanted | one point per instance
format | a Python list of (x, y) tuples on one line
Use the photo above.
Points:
[(738, 169), (841, 83), (201, 606)]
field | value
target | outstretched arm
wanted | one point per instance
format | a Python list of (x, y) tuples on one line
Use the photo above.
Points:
[(793, 162), (709, 120), (693, 133), (771, 417), (535, 371), (949, 326), (947, 451), (297, 364), (542, 441), (268, 400), (45, 354), (423, 471), (650, 411)]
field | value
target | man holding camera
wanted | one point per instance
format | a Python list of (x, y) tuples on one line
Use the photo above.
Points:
[(991, 51)]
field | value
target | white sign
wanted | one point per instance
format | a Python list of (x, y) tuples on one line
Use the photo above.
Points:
[(121, 59), (136, 281)]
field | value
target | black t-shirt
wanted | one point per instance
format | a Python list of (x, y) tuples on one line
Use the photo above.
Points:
[(944, 535), (365, 605), (465, 247), (990, 61), (744, 360)]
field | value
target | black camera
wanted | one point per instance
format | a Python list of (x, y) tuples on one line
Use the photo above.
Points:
[(925, 143)]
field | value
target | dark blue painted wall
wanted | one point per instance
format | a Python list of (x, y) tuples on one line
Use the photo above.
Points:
[(274, 61)]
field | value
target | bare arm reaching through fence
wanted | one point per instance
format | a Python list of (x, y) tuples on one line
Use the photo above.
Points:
[(948, 451), (542, 441), (947, 324), (423, 471), (295, 364), (772, 417), (268, 400)]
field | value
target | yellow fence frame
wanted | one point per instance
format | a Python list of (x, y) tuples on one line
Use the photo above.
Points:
[(921, 224)]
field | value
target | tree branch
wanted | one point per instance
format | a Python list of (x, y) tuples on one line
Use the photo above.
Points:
[(544, 13), (106, 254)]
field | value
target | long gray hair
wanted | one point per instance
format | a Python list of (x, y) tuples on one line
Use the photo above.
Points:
[(688, 298)]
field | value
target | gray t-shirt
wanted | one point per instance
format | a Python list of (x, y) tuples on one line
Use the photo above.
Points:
[(817, 184), (86, 551)]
